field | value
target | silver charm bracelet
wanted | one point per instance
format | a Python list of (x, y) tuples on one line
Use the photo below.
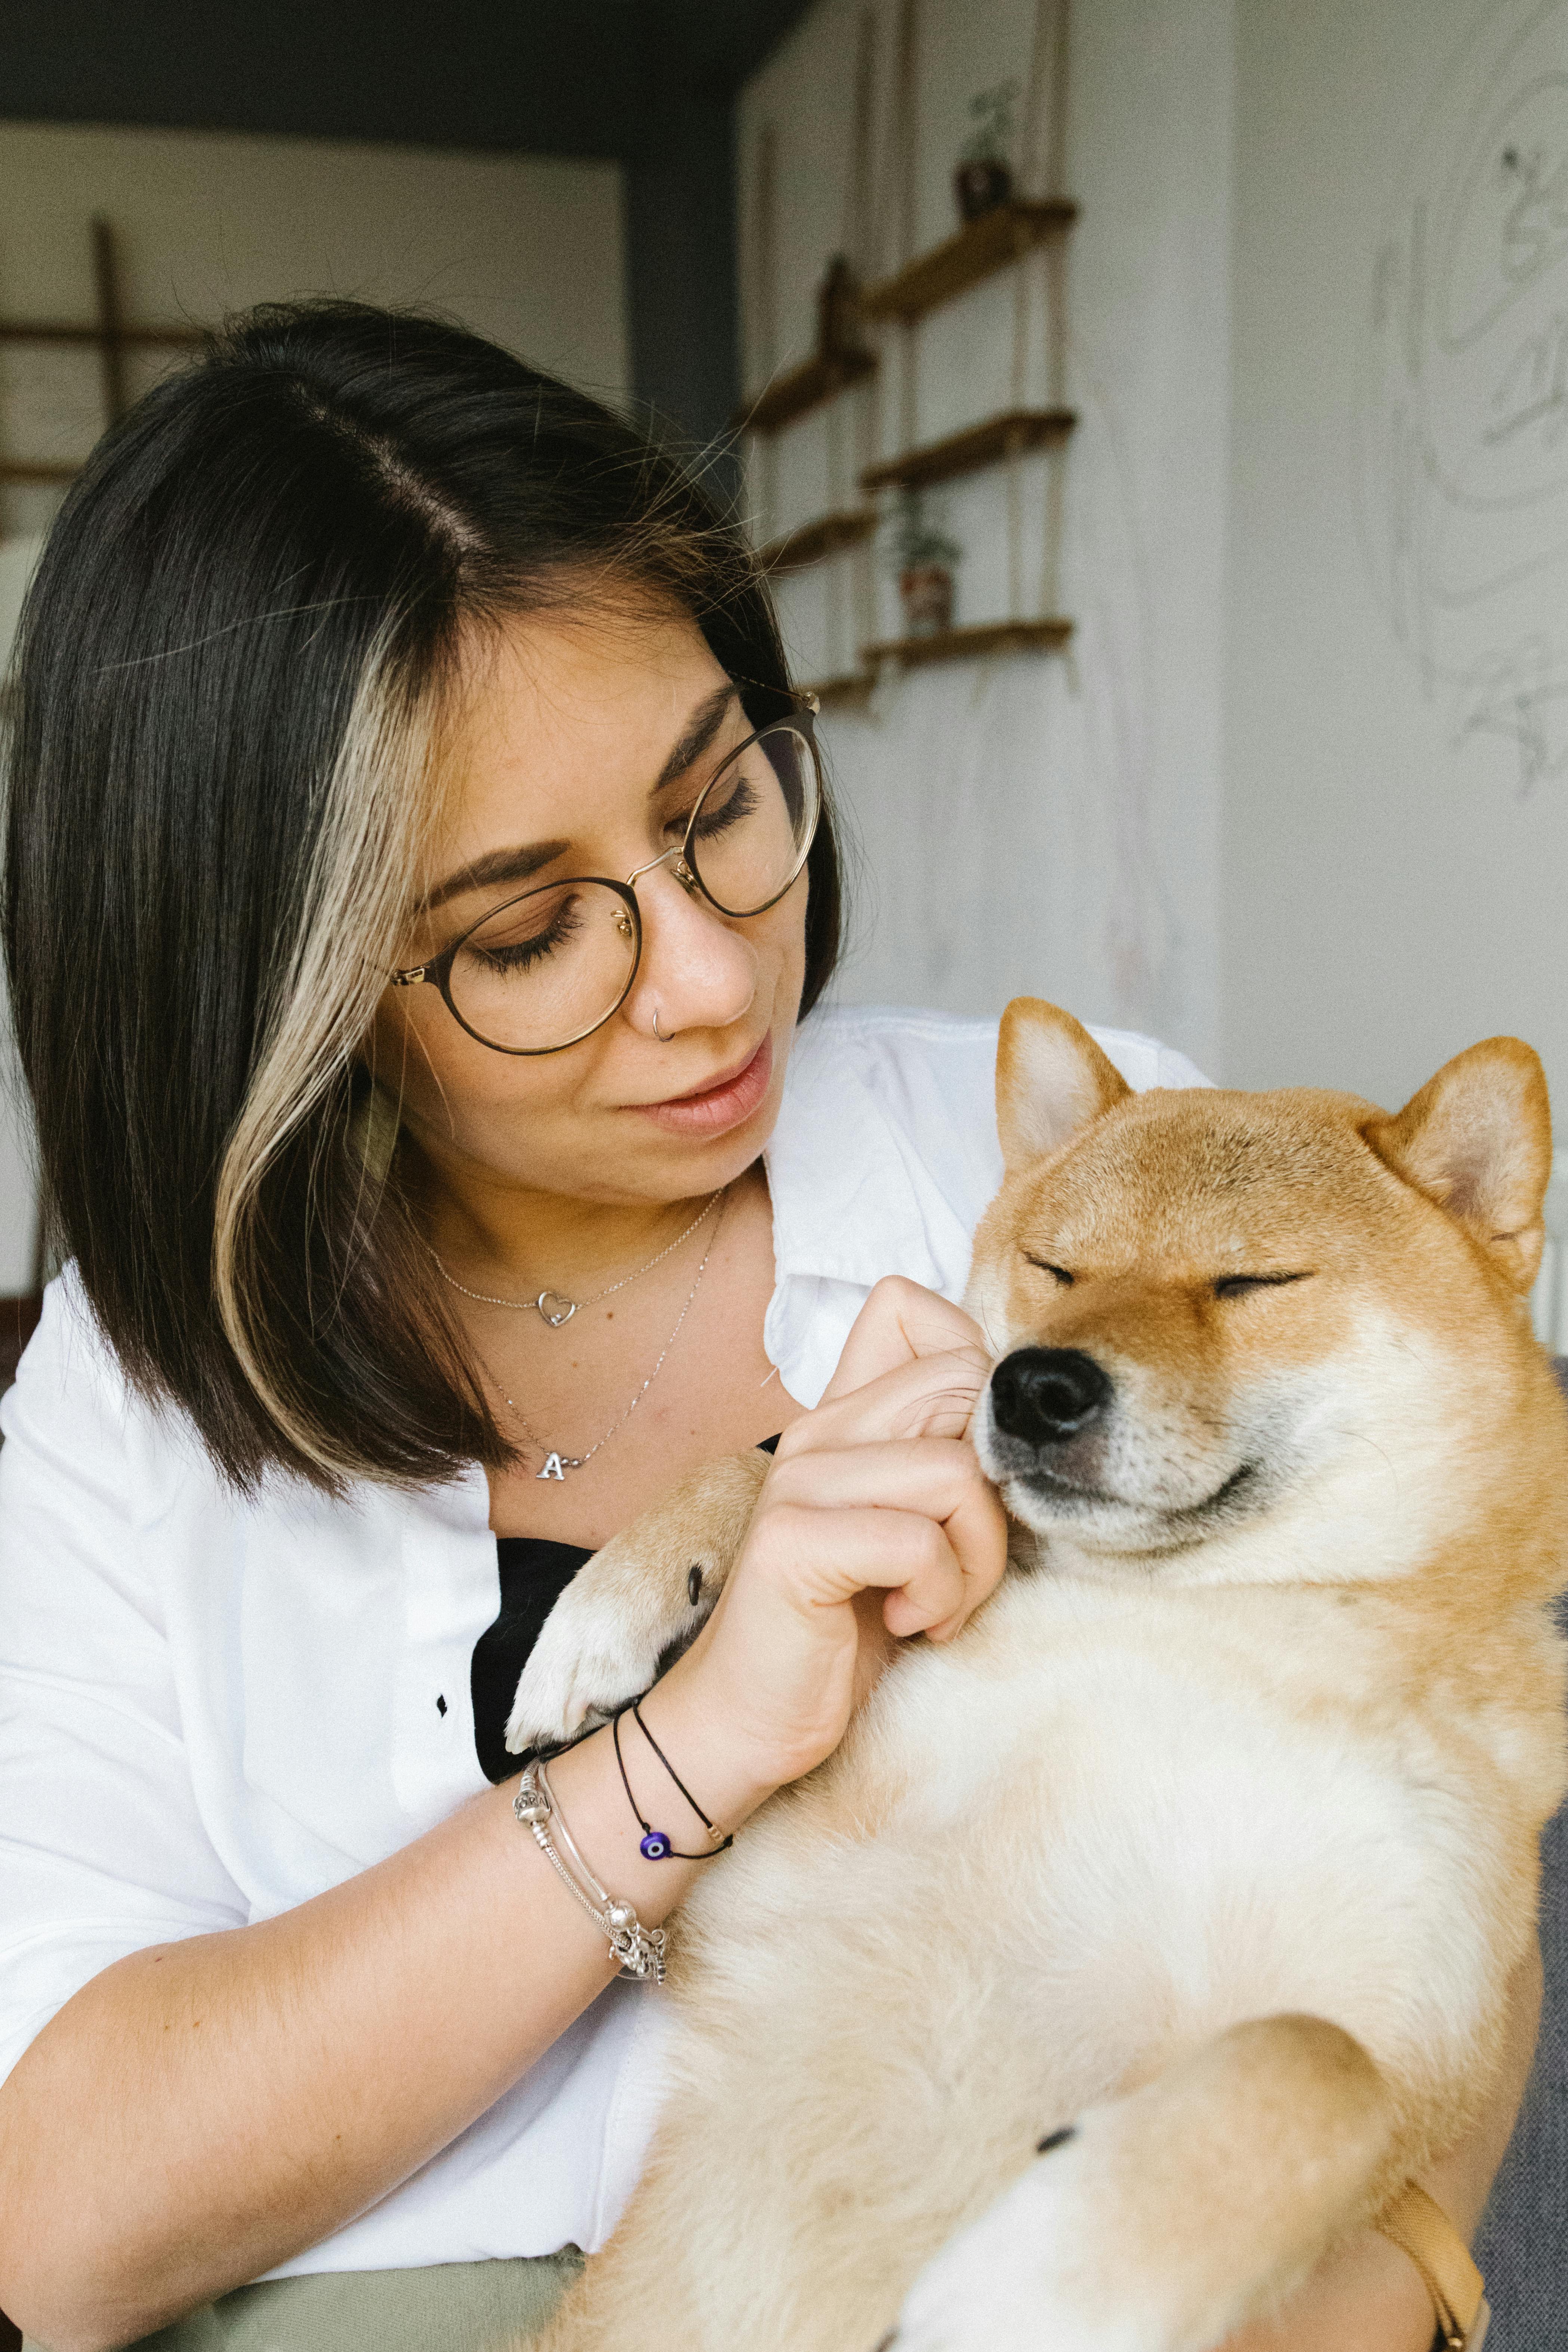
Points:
[(638, 1952)]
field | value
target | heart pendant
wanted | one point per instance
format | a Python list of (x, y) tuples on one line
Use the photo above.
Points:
[(554, 1308)]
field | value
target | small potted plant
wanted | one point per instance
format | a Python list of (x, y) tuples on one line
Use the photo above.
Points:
[(924, 557), (983, 178)]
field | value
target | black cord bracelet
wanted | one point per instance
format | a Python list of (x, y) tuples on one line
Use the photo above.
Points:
[(710, 1826), (657, 1845)]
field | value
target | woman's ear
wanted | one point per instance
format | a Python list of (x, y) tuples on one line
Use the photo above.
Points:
[(1051, 1080), (1477, 1140)]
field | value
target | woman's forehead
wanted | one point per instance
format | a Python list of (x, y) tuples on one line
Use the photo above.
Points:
[(562, 716)]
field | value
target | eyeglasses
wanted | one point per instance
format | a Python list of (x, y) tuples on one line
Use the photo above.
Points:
[(546, 969)]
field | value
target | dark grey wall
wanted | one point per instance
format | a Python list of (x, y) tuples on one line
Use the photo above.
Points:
[(649, 83), (681, 277)]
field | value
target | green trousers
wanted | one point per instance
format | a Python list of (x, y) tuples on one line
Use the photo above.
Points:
[(455, 2307)]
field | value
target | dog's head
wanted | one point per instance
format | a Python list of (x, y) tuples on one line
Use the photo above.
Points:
[(1211, 1307)]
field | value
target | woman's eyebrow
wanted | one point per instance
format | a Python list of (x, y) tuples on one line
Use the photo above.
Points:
[(499, 867), (496, 867), (701, 728)]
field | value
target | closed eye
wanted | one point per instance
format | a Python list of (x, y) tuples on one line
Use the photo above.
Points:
[(721, 809), (1234, 1286), (522, 955), (1062, 1275)]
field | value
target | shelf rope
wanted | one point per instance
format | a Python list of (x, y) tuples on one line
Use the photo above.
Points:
[(853, 621), (1044, 96)]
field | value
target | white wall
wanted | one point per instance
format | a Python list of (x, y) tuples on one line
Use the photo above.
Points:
[(1299, 796), (526, 249), (1396, 878), (1039, 823)]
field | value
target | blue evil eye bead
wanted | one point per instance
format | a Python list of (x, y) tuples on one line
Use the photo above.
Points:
[(656, 1845)]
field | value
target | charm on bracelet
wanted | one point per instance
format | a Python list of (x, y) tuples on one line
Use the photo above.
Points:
[(638, 1952)]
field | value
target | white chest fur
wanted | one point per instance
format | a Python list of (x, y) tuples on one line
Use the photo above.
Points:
[(1091, 1837)]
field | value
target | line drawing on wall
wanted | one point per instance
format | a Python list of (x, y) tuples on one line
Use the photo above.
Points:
[(1463, 438)]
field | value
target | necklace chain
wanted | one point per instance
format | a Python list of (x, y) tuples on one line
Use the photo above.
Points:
[(557, 1463), (562, 1308)]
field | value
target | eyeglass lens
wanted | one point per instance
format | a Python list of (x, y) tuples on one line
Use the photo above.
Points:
[(549, 967)]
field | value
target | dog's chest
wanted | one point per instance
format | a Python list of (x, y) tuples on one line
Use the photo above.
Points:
[(1089, 1818)]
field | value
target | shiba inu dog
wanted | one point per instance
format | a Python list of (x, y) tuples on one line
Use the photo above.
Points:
[(1141, 1943)]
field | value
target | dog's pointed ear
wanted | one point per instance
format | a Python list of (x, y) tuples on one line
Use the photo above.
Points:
[(1477, 1140), (1051, 1080)]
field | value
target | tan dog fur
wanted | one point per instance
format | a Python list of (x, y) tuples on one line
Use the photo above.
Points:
[(1214, 1834)]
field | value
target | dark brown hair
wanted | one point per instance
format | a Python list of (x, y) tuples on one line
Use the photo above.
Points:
[(229, 674)]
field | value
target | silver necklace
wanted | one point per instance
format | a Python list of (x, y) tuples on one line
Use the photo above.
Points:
[(554, 1306), (557, 1464)]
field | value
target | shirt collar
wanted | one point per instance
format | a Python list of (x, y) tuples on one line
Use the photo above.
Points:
[(851, 1202)]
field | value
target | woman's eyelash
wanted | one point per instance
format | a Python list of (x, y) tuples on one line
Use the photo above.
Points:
[(518, 955), (739, 803)]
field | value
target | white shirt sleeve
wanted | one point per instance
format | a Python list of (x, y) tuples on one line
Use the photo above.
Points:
[(102, 1849)]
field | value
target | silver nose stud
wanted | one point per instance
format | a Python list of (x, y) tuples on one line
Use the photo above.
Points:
[(658, 1031)]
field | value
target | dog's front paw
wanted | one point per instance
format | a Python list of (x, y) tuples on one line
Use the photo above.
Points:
[(600, 1646), (1018, 2278), (636, 1603)]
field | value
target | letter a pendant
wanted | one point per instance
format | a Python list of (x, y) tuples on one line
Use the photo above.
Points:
[(552, 1468)]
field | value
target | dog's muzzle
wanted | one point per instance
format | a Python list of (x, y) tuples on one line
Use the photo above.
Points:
[(1072, 1444), (1048, 1397)]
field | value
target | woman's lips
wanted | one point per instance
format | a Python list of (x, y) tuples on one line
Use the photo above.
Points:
[(727, 1103)]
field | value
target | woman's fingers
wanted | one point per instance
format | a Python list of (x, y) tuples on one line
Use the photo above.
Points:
[(924, 1396), (875, 1503), (821, 1559), (900, 1322), (936, 1478)]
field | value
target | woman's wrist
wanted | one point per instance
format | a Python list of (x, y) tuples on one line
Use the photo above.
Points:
[(724, 1767), (719, 1766)]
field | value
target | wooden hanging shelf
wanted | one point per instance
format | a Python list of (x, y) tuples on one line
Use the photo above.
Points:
[(828, 535), (60, 331), (850, 692), (803, 389), (978, 444), (983, 246), (111, 336), (18, 469), (971, 644)]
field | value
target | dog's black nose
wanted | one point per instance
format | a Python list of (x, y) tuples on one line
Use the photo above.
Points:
[(1045, 1395)]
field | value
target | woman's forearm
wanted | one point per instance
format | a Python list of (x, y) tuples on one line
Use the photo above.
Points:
[(201, 2112), (205, 2110)]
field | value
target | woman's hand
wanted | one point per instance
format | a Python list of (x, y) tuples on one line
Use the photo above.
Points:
[(876, 1521), (145, 2167)]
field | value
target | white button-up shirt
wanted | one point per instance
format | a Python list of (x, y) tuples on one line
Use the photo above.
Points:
[(213, 1707)]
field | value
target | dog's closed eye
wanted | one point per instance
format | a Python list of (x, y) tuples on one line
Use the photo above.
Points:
[(1062, 1275), (1236, 1286)]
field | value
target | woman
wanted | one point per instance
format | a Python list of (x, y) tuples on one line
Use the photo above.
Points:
[(418, 876)]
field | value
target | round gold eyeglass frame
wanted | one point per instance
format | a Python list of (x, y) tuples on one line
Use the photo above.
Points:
[(681, 860)]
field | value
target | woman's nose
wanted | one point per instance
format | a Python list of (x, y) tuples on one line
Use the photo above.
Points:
[(697, 971)]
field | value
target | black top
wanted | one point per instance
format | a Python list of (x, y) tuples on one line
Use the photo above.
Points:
[(534, 1573)]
